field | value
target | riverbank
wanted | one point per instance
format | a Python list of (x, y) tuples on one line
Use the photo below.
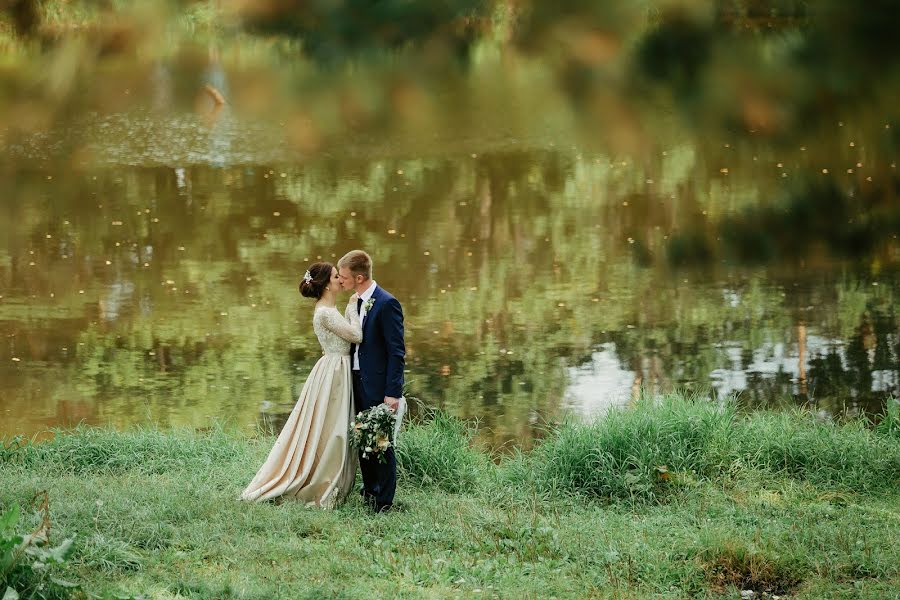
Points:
[(670, 499)]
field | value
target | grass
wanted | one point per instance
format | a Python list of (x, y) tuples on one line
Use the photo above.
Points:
[(674, 498)]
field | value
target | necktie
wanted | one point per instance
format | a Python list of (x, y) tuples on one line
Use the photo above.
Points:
[(358, 311)]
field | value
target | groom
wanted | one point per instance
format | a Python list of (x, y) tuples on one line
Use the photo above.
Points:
[(377, 365)]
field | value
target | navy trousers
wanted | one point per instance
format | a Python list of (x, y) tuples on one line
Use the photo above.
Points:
[(379, 478)]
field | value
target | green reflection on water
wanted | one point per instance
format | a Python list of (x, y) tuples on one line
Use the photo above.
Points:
[(534, 282)]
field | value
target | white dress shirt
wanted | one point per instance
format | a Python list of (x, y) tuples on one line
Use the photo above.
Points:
[(362, 318)]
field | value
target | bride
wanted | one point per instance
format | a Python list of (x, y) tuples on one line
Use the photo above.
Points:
[(312, 461)]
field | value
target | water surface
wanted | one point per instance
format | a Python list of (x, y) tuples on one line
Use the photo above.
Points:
[(150, 260)]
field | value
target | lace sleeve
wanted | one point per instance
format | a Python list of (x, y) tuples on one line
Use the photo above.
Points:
[(350, 331)]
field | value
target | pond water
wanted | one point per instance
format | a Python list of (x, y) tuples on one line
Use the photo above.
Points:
[(150, 259)]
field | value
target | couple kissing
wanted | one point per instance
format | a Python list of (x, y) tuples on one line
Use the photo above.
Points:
[(363, 357)]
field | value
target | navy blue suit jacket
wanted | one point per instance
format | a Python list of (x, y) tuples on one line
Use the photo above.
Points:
[(382, 354)]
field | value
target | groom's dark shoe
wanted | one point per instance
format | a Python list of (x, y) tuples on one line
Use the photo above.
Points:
[(383, 508)]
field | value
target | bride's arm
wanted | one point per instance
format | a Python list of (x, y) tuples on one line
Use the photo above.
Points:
[(350, 331)]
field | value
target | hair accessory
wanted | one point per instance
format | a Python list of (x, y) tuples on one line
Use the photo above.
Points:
[(307, 277)]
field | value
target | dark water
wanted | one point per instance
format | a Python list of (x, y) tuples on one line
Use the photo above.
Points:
[(150, 274)]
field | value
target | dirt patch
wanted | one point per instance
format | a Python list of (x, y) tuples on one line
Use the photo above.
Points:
[(735, 565)]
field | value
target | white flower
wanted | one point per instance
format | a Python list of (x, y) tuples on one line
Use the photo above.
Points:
[(307, 277), (369, 304)]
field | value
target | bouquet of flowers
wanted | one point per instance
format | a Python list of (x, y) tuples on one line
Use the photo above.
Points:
[(373, 431)]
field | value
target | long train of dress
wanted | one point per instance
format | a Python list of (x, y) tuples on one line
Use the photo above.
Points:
[(311, 460)]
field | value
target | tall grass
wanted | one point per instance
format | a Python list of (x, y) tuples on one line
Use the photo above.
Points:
[(643, 453), (849, 457), (436, 451), (661, 445), (145, 450), (889, 424)]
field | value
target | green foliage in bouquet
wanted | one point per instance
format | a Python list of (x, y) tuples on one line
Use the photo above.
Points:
[(372, 431)]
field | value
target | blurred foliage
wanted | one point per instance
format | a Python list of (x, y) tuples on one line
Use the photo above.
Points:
[(335, 30), (775, 67)]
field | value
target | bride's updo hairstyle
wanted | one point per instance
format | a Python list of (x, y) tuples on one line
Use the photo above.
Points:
[(316, 279)]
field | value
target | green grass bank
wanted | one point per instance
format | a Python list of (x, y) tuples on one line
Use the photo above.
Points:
[(673, 498)]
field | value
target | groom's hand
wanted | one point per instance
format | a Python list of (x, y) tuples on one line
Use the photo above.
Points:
[(391, 402)]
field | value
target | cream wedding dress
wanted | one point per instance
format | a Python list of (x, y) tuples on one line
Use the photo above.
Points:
[(312, 461)]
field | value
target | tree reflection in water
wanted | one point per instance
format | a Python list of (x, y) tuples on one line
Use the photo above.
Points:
[(534, 282)]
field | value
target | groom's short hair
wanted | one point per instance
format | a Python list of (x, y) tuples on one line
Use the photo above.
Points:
[(358, 262)]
